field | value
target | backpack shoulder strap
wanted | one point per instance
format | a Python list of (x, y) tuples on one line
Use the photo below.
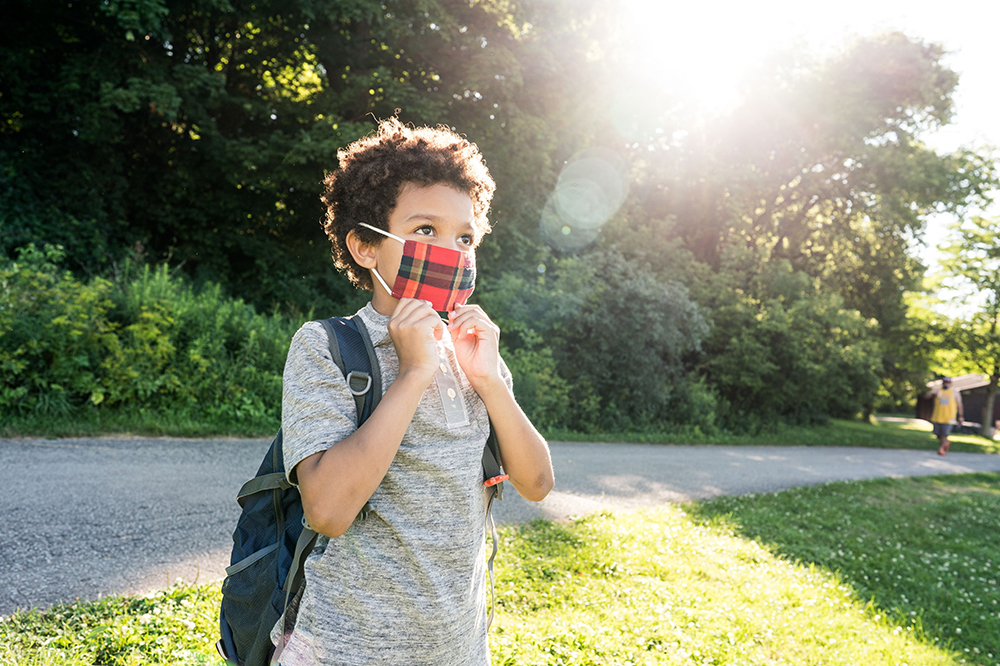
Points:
[(493, 476), (352, 350)]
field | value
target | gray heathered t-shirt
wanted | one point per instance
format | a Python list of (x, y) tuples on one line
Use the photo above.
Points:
[(406, 586)]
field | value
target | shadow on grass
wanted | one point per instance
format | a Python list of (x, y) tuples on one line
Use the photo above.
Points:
[(925, 550)]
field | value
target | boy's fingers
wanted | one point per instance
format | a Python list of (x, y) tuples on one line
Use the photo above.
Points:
[(473, 323), (416, 315), (410, 310), (470, 312), (407, 305)]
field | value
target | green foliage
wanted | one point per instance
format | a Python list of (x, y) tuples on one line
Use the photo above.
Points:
[(627, 342), (55, 334), (149, 342), (199, 132), (203, 130), (973, 260), (780, 349), (616, 340), (820, 169), (540, 390)]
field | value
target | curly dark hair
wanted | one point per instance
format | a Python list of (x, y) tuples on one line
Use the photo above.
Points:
[(373, 171)]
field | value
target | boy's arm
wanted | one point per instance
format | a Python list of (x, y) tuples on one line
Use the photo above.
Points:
[(336, 483), (523, 451)]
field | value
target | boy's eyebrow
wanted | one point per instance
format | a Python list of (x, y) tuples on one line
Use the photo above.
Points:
[(434, 218)]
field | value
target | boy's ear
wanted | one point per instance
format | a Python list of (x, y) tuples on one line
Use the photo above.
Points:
[(363, 253)]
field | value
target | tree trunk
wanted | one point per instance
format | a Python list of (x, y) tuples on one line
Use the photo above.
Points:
[(988, 427)]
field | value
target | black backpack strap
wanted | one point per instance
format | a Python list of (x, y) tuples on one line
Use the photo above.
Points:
[(352, 350), (493, 478), (273, 481), (304, 546), (355, 356)]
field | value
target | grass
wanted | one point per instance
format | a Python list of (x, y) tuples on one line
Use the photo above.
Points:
[(102, 423), (175, 626), (885, 572), (879, 434)]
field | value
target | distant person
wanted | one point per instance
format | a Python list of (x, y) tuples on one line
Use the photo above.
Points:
[(405, 212), (947, 410)]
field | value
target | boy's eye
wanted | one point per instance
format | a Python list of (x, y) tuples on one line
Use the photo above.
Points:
[(467, 239), (425, 230)]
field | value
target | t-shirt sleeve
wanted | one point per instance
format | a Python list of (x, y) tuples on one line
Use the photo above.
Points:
[(505, 373), (317, 409)]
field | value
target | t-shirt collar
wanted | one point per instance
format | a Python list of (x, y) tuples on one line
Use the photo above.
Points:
[(377, 324)]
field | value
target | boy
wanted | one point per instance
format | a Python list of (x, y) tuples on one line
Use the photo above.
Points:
[(406, 585)]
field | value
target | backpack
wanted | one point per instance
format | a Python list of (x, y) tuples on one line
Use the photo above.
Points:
[(272, 540)]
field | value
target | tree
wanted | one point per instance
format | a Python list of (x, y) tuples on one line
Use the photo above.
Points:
[(973, 260), (821, 168), (781, 349), (199, 132)]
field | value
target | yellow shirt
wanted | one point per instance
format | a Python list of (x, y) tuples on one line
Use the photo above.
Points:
[(946, 405)]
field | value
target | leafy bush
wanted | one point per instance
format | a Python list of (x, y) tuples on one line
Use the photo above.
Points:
[(628, 342), (55, 333), (149, 341), (783, 351), (603, 345)]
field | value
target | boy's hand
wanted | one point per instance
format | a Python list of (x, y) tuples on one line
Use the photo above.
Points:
[(477, 344), (415, 329)]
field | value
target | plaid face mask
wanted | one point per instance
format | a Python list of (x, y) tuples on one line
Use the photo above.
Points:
[(441, 275)]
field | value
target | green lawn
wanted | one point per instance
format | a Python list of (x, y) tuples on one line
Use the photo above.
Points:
[(103, 423), (892, 571), (880, 435)]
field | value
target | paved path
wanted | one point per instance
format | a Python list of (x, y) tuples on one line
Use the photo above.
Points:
[(88, 517)]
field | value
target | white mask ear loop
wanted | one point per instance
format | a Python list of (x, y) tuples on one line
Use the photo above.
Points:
[(375, 270), (382, 231), (381, 281)]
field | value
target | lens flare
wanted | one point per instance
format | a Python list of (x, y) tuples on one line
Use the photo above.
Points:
[(590, 190)]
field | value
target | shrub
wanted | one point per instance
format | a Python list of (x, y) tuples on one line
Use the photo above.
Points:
[(787, 352), (148, 341), (55, 333), (601, 344)]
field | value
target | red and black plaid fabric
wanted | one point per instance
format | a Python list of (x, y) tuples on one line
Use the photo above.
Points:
[(441, 275)]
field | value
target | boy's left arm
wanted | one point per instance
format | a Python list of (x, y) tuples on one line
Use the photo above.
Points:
[(524, 452)]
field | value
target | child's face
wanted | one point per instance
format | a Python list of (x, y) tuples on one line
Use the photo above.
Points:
[(438, 215)]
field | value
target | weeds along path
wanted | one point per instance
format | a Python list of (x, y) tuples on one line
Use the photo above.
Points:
[(91, 517)]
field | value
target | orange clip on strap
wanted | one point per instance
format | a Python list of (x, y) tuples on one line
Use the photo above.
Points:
[(495, 480)]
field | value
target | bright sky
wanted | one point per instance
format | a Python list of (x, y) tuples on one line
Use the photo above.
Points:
[(713, 42)]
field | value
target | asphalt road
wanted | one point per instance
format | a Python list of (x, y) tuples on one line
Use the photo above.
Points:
[(84, 518)]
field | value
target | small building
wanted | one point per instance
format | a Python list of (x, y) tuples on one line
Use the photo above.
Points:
[(973, 390)]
